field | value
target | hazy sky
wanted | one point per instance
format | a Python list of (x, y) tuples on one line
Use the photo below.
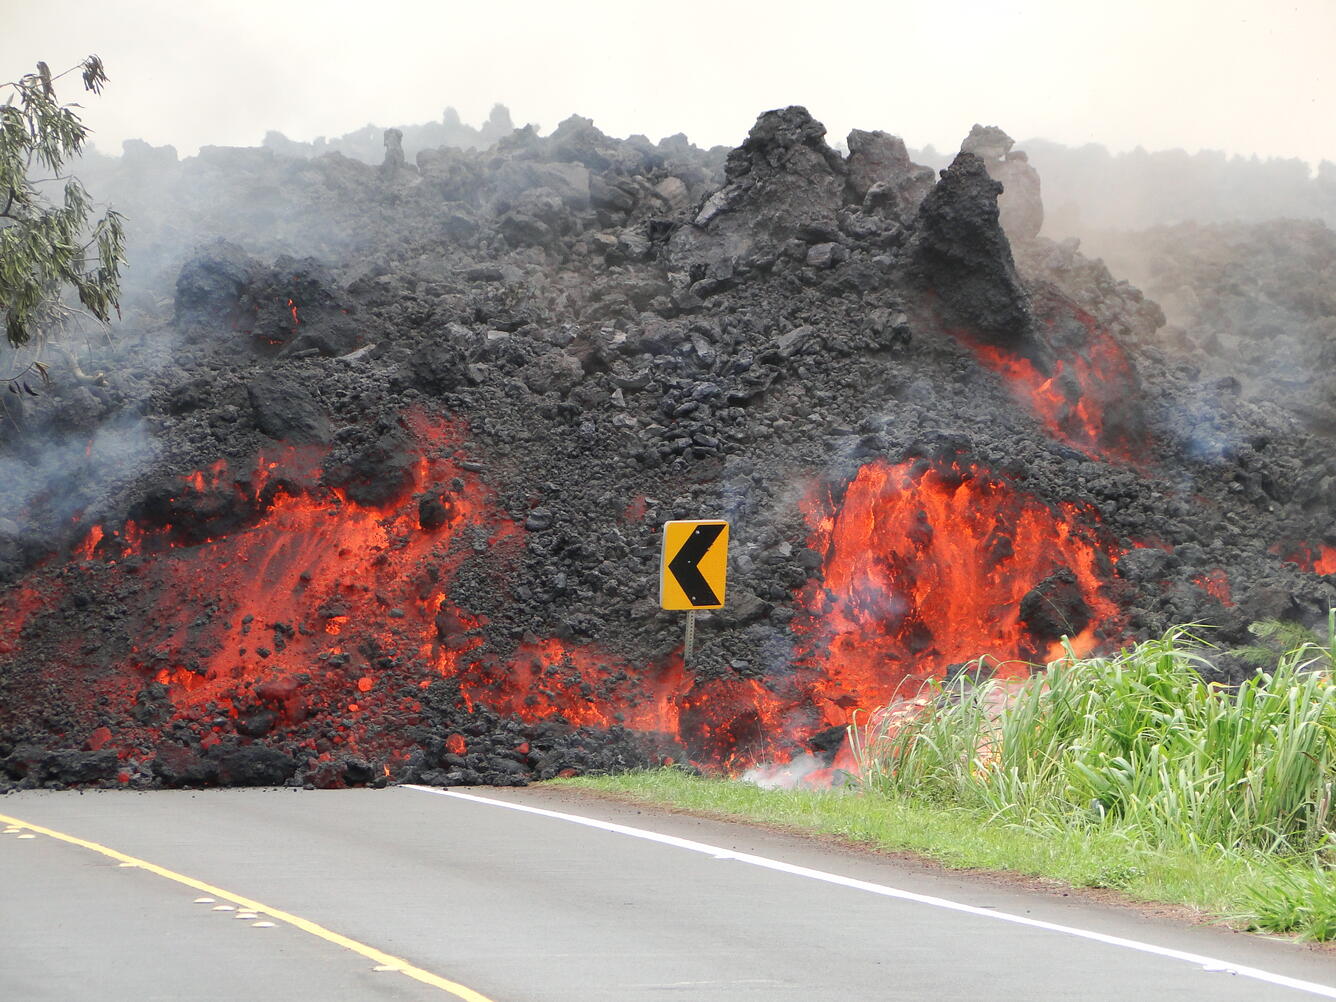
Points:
[(1244, 77)]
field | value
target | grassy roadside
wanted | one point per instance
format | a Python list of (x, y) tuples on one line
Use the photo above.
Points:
[(1126, 772), (1213, 883)]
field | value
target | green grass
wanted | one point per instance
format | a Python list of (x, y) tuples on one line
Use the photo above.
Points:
[(1138, 741), (1128, 772)]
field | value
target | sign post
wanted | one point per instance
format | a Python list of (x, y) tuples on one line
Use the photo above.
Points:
[(693, 568)]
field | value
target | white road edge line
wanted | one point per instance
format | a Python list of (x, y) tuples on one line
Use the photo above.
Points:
[(1211, 964)]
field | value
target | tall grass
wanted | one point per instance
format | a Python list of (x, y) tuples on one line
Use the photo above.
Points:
[(1138, 741)]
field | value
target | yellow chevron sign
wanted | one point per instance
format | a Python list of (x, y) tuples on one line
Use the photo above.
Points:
[(693, 564)]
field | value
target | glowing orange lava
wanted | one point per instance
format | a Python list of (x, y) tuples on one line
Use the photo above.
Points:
[(315, 606), (1075, 401), (21, 605), (925, 567), (547, 678), (1216, 584), (312, 566), (1315, 560)]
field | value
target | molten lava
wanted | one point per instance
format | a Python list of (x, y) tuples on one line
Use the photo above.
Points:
[(1319, 560), (927, 566), (1216, 584), (266, 604), (1082, 400)]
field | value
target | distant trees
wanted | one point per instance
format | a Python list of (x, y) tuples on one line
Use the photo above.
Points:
[(53, 247)]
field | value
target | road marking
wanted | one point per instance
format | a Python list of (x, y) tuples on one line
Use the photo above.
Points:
[(250, 904), (1207, 964)]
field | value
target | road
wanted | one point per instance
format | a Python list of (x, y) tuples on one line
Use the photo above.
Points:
[(410, 894)]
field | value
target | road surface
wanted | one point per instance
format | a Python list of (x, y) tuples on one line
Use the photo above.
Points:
[(410, 894)]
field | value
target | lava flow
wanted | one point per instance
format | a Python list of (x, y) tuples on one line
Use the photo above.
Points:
[(270, 606), (1316, 560), (929, 565), (1215, 583), (1083, 399), (219, 618)]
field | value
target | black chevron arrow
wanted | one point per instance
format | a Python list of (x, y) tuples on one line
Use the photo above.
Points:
[(683, 565)]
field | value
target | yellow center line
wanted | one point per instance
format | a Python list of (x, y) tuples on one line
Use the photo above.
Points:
[(250, 904)]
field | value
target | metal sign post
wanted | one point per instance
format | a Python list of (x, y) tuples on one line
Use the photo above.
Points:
[(690, 645)]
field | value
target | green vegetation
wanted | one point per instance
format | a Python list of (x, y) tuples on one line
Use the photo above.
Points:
[(48, 241), (1127, 772)]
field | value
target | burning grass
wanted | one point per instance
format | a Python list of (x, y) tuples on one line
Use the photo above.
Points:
[(1126, 772)]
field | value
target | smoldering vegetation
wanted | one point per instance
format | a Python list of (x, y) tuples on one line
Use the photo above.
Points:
[(386, 446)]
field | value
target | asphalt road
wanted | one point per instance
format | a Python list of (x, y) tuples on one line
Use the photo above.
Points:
[(484, 902)]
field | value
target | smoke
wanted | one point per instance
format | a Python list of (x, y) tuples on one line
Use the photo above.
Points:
[(58, 481), (804, 771), (1088, 189), (367, 144), (69, 450), (1097, 195)]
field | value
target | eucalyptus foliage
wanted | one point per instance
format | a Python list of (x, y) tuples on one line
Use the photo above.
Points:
[(51, 245)]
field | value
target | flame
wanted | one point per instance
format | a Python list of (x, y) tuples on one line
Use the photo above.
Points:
[(292, 308)]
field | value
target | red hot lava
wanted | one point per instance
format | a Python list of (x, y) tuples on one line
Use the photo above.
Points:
[(1316, 560), (926, 566), (1082, 399), (323, 611), (1215, 583)]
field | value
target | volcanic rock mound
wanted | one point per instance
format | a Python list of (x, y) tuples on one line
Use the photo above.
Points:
[(372, 489)]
